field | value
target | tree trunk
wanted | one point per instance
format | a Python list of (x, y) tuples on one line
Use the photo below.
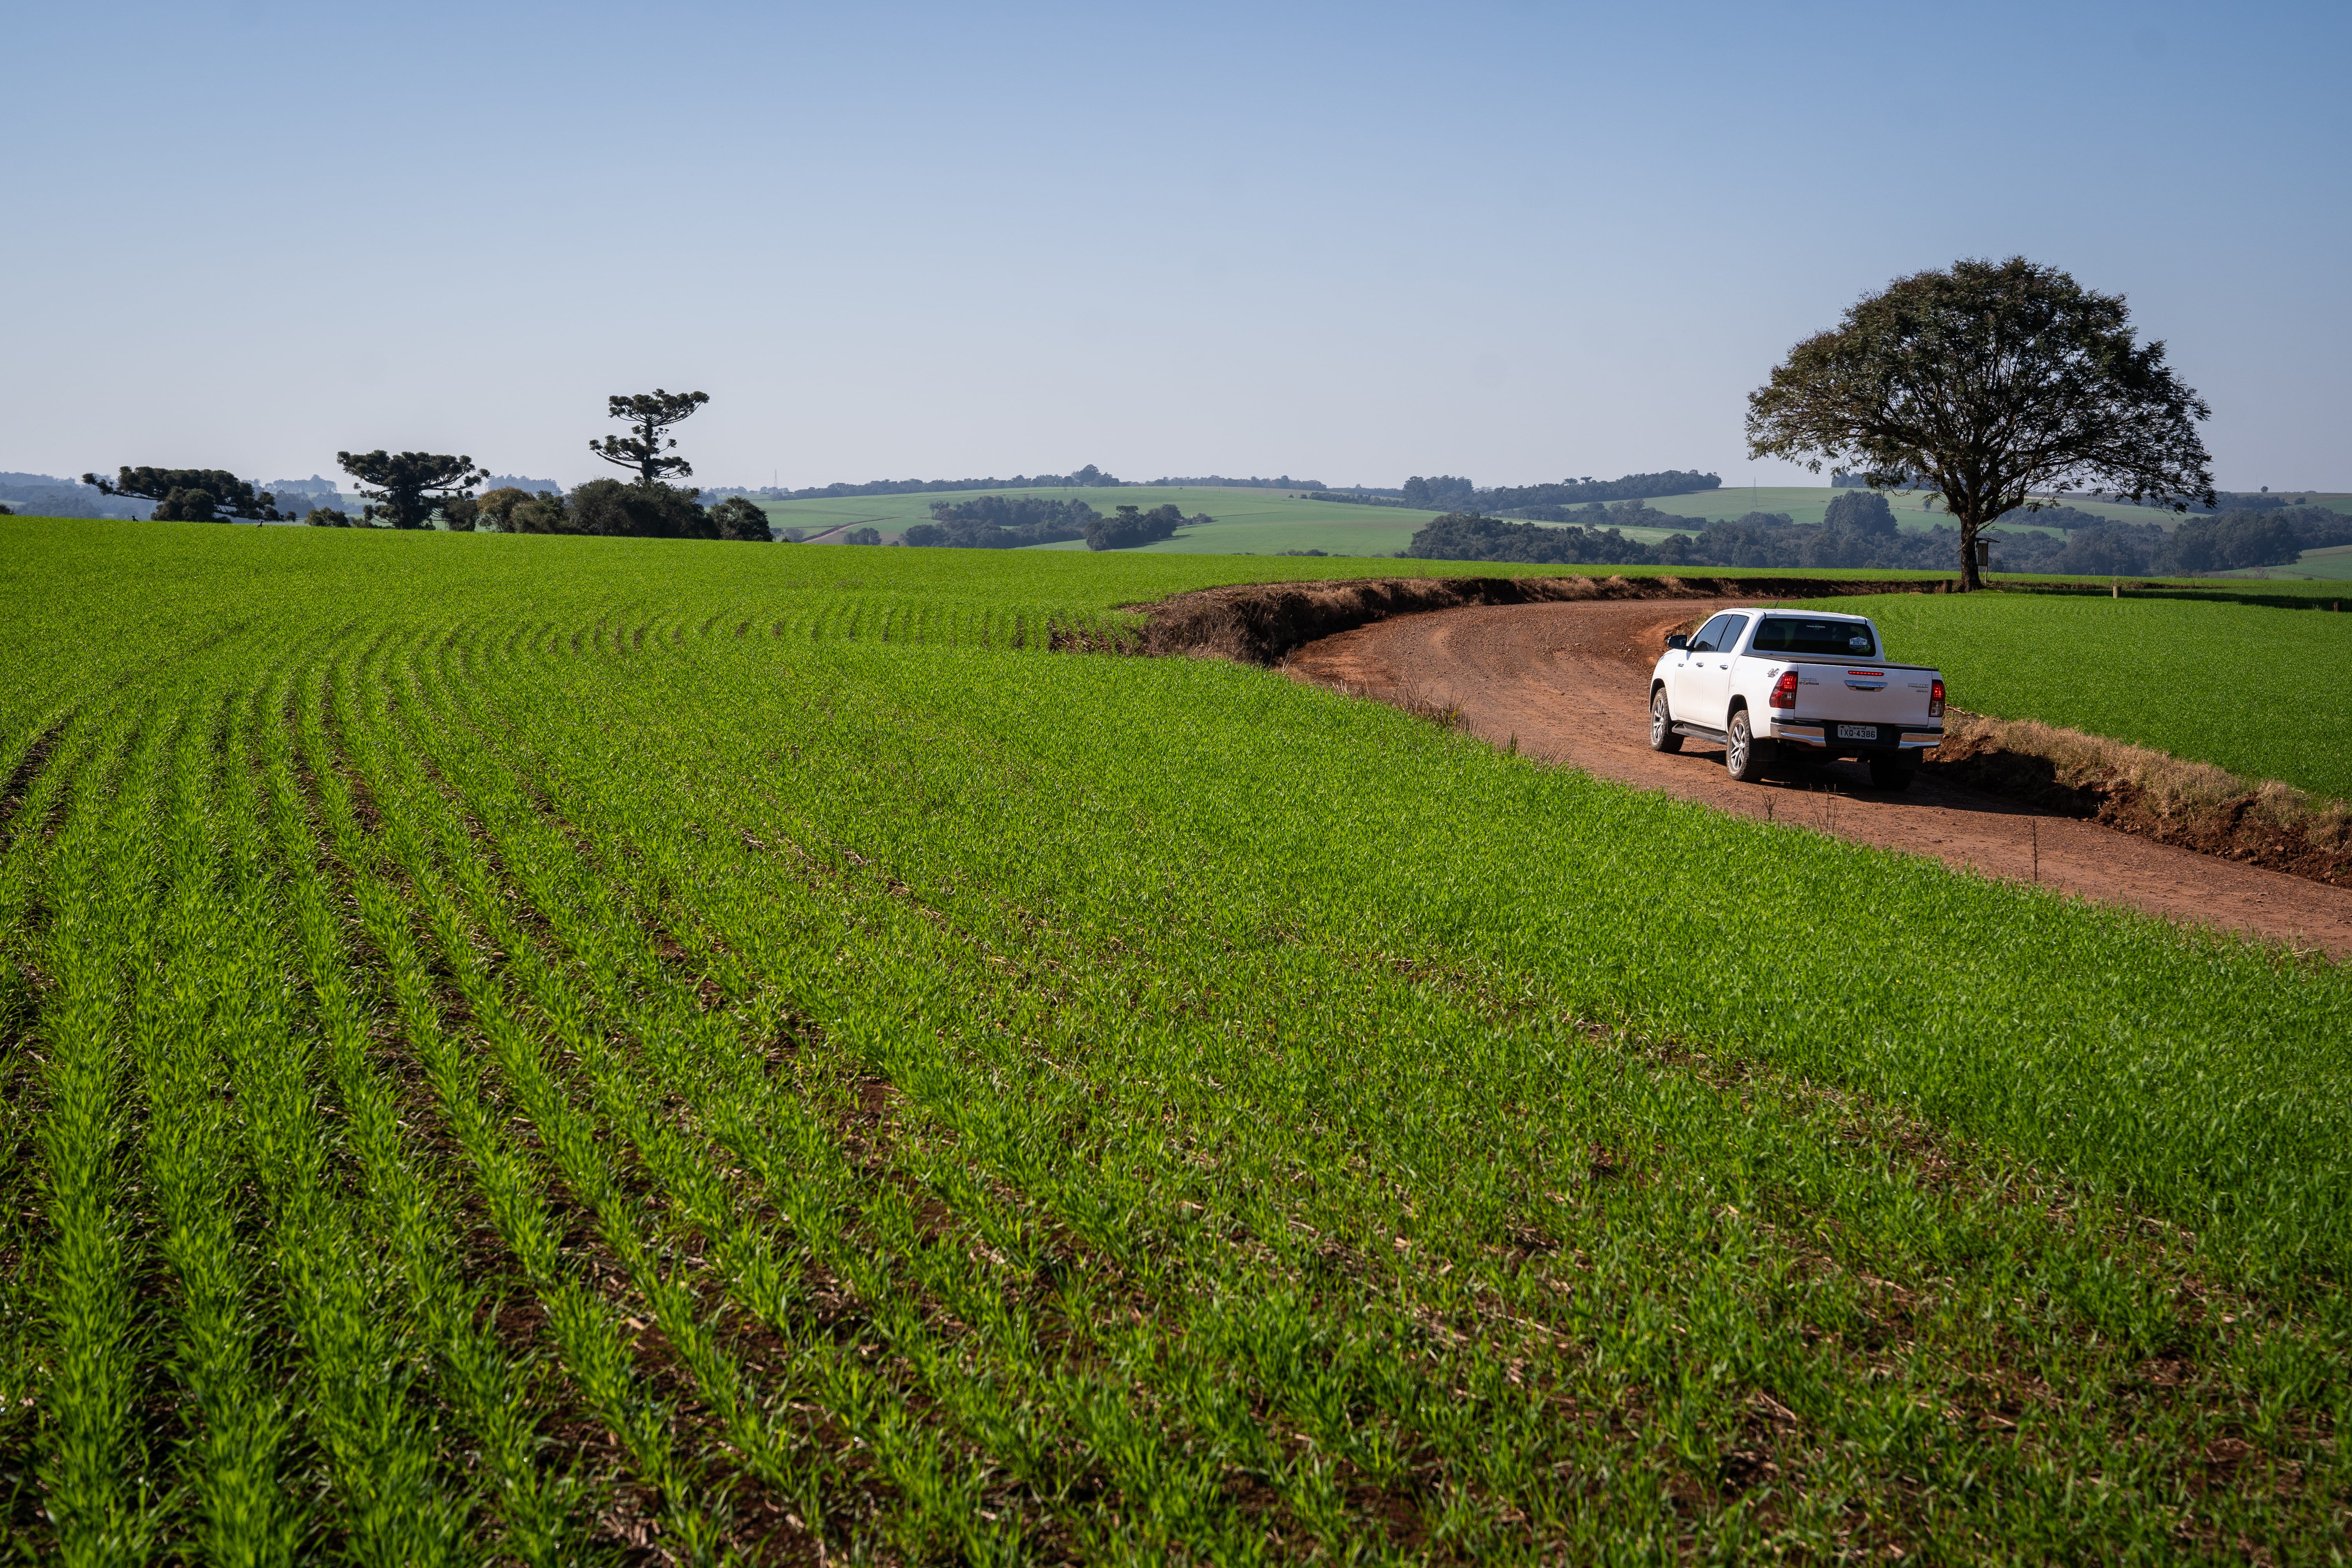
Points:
[(1970, 516)]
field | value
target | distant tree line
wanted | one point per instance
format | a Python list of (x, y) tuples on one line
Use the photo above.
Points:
[(2225, 502), (1858, 530), (1579, 493), (2230, 542), (1002, 522), (1087, 478), (1220, 481), (1452, 492), (1131, 526), (1008, 522)]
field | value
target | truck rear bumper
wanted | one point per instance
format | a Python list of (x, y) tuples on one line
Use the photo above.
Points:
[(1830, 735)]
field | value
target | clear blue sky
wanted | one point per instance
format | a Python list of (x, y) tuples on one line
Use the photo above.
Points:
[(1348, 242)]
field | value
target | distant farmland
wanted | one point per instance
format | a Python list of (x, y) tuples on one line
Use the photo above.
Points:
[(1249, 522), (1265, 522)]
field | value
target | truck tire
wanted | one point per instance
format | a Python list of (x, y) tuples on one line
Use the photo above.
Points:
[(1662, 724), (1745, 757), (1893, 774)]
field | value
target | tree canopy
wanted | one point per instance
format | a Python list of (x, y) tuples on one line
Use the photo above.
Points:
[(192, 495), (510, 509), (639, 511), (1999, 382), (1860, 511), (405, 487), (650, 415), (737, 518)]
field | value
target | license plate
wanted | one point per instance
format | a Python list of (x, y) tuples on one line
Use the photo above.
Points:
[(1857, 731)]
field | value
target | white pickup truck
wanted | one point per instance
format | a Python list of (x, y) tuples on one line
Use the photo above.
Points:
[(1771, 685)]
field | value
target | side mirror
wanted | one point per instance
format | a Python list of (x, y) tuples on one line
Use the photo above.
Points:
[(1675, 641)]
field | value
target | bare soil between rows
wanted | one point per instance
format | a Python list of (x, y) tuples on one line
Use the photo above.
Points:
[(1561, 667)]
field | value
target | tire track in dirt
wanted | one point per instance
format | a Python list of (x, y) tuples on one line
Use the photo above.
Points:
[(1570, 682)]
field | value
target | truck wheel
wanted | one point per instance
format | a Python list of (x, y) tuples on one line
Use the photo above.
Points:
[(1892, 774), (1743, 756), (1662, 724)]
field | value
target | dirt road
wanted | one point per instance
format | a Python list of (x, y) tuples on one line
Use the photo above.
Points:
[(1569, 680)]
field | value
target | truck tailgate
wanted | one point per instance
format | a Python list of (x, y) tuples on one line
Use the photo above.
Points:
[(1859, 694)]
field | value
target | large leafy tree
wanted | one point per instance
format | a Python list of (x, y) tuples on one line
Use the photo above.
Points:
[(405, 487), (650, 416), (2002, 383), (192, 495)]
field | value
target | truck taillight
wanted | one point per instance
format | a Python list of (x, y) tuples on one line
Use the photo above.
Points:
[(1784, 690), (1936, 699)]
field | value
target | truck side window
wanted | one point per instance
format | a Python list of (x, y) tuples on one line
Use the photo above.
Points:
[(1728, 638), (1709, 638)]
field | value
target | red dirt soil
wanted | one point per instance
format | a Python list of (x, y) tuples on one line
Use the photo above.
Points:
[(1570, 682)]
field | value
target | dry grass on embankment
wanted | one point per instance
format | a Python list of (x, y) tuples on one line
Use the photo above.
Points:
[(2171, 799)]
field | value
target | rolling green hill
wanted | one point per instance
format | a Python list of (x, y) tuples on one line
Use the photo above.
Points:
[(2333, 565), (1267, 522), (1803, 503)]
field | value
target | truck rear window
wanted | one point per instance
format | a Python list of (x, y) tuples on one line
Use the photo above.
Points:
[(1831, 639)]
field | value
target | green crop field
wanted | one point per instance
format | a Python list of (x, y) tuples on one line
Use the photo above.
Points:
[(2332, 564), (2237, 685), (1249, 522), (559, 1050)]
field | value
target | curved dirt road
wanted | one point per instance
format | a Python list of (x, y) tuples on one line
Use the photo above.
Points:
[(1569, 680)]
